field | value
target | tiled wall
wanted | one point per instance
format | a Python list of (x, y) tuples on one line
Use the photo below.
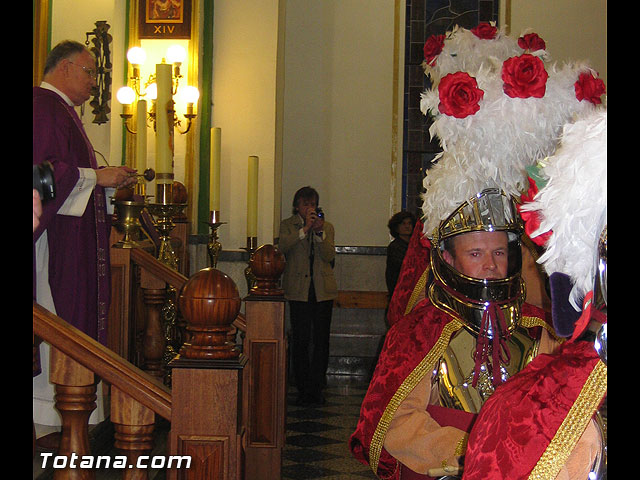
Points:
[(423, 19)]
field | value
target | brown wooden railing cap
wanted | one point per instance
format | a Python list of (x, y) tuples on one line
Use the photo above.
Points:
[(105, 363)]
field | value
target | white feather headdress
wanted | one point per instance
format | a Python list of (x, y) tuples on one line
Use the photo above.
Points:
[(462, 50), (491, 144), (573, 202)]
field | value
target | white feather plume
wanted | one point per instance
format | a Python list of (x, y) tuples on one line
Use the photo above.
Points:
[(494, 146), (573, 201), (464, 51)]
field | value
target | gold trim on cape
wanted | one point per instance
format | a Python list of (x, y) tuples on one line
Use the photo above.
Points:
[(573, 426), (420, 286), (424, 367), (530, 322)]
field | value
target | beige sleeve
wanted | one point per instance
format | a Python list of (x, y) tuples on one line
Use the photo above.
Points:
[(415, 439)]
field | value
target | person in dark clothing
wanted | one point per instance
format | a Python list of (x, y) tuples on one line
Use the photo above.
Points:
[(401, 227), (307, 242)]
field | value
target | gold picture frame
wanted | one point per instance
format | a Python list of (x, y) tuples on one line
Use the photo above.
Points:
[(164, 19)]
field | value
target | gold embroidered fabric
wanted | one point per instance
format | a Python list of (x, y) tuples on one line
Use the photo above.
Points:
[(530, 322), (579, 416)]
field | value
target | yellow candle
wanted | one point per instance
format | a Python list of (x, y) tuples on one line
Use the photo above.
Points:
[(164, 124), (141, 136), (252, 198), (214, 170)]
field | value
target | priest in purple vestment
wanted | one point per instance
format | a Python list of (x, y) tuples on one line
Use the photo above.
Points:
[(70, 245), (76, 223)]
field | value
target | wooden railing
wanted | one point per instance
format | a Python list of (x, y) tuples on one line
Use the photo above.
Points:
[(226, 437), (136, 396)]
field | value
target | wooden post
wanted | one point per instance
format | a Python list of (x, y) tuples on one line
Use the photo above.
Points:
[(154, 341), (206, 417), (119, 309), (265, 382), (75, 399), (133, 424)]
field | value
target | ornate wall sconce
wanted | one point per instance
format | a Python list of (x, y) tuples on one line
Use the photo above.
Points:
[(130, 95), (102, 92)]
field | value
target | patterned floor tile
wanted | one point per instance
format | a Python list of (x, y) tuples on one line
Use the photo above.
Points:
[(317, 437)]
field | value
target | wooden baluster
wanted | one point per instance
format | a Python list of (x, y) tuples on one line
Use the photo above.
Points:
[(133, 424), (140, 319), (154, 342), (75, 399)]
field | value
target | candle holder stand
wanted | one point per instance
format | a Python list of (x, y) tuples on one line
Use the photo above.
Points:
[(164, 213), (252, 246), (214, 247)]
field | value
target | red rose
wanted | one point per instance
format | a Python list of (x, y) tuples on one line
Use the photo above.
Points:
[(589, 88), (432, 48), (531, 42), (524, 77), (459, 95), (485, 31)]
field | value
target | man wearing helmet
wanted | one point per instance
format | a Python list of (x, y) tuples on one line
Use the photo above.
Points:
[(462, 335), (460, 327), (479, 254)]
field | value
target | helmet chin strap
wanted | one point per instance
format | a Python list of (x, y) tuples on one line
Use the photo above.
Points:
[(492, 320), (493, 337)]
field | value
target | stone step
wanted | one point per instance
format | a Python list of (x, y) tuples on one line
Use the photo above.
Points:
[(355, 344), (350, 370), (365, 321)]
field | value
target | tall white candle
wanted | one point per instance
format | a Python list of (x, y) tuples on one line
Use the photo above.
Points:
[(141, 135), (252, 198), (164, 123), (214, 169)]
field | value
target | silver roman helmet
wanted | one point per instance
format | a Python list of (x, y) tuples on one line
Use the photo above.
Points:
[(468, 298)]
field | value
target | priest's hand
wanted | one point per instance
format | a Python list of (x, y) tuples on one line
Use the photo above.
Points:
[(117, 177)]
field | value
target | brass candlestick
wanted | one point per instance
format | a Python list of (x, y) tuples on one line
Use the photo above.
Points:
[(129, 220), (164, 213), (252, 246), (214, 246)]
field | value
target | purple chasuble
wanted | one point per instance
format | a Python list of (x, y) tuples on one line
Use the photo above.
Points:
[(79, 268)]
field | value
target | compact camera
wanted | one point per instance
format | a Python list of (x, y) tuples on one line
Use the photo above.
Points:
[(319, 213), (43, 181)]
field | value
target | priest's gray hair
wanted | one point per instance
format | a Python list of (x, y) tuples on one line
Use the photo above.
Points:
[(64, 49)]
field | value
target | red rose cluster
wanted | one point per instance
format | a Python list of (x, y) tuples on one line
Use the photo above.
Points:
[(432, 48), (485, 31), (589, 88), (459, 95), (524, 77), (531, 42)]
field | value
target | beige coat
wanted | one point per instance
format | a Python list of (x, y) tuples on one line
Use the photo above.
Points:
[(296, 279)]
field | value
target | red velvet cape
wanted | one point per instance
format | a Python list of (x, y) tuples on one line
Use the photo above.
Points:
[(517, 423)]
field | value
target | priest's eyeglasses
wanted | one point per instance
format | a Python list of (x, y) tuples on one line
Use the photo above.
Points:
[(89, 71)]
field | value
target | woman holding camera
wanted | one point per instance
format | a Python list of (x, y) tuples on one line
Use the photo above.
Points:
[(307, 242)]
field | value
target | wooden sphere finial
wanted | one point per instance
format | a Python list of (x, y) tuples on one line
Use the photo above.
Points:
[(267, 264), (209, 302)]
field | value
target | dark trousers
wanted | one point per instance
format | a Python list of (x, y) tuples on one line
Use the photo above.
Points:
[(310, 328)]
